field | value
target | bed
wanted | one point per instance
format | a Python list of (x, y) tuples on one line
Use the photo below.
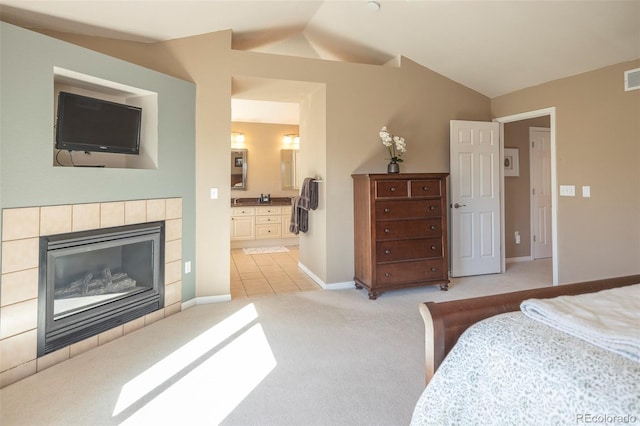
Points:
[(489, 363)]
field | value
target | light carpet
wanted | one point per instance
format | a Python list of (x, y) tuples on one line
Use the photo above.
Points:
[(262, 250), (311, 358)]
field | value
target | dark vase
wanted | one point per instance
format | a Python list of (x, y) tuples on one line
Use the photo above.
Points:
[(393, 167)]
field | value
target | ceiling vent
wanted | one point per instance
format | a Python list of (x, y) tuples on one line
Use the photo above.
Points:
[(632, 79)]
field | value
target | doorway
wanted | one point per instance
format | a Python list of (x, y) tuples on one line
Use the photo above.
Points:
[(525, 231)]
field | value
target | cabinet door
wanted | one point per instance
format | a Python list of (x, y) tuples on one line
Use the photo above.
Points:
[(242, 228)]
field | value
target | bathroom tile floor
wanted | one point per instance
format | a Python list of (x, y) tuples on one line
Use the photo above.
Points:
[(268, 274)]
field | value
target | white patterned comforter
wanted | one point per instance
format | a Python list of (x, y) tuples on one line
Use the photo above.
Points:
[(512, 370)]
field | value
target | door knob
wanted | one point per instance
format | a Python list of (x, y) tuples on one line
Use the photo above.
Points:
[(457, 206)]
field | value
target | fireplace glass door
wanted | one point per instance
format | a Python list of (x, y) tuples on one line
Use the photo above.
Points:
[(91, 281)]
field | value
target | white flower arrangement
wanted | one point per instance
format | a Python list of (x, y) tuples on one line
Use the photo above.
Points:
[(395, 144)]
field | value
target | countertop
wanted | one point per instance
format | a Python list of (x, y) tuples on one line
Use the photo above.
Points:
[(275, 201)]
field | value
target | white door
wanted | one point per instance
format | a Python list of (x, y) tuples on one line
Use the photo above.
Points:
[(540, 192), (475, 198)]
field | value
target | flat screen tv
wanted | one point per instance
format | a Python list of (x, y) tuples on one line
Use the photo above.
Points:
[(89, 124)]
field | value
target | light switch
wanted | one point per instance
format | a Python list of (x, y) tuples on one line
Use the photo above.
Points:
[(187, 267), (214, 193), (568, 190), (586, 191)]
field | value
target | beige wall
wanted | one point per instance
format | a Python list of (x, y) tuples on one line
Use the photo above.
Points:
[(598, 134), (341, 119), (517, 198), (263, 142), (597, 144)]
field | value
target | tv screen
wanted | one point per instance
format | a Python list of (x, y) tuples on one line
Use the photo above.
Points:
[(89, 124)]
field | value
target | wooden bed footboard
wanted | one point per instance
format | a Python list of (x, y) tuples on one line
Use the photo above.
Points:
[(446, 321)]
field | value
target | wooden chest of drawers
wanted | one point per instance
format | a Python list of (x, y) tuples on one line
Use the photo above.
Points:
[(400, 231)]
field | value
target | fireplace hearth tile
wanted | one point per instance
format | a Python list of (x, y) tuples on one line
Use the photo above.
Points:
[(18, 373), (18, 349), (53, 358), (172, 272), (173, 229), (83, 346), (132, 326), (55, 220), (174, 208), (85, 216), (156, 210), (110, 335), (111, 214), (19, 286), (135, 211), (173, 250), (153, 317), (21, 223), (19, 255), (172, 293), (18, 318)]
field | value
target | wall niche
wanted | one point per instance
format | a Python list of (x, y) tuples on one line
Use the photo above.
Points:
[(86, 85)]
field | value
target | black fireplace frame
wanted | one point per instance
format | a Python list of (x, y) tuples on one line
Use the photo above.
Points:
[(54, 334)]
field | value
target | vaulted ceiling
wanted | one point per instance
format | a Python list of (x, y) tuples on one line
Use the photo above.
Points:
[(493, 47)]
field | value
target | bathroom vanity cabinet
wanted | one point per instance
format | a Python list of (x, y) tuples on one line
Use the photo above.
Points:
[(400, 231), (260, 222)]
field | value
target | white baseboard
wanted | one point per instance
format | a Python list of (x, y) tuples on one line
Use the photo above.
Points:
[(205, 300), (325, 286), (518, 259)]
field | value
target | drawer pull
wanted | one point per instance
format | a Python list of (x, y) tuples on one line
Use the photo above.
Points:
[(433, 227), (425, 188), (433, 269), (387, 230), (387, 274), (393, 189), (432, 208), (387, 210), (434, 248), (387, 251)]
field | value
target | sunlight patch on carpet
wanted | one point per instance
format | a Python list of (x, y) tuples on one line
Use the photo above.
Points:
[(214, 387), (262, 250)]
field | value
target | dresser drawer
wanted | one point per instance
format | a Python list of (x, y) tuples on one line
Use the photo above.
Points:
[(408, 209), (392, 189), (413, 228), (425, 188), (261, 220), (404, 272), (391, 251)]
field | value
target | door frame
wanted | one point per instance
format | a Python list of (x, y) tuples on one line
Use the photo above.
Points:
[(551, 112)]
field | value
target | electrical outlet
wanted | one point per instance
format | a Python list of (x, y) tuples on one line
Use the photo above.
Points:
[(586, 191), (214, 193)]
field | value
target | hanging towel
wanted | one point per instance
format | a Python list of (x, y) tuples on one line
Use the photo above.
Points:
[(309, 194), (299, 217)]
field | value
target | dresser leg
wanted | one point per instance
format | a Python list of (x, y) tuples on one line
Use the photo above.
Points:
[(358, 286), (444, 287), (373, 295)]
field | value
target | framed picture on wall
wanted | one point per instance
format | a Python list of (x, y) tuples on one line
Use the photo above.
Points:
[(238, 161), (511, 162)]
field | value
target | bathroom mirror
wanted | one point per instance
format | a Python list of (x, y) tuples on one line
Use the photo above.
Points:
[(239, 169), (289, 168)]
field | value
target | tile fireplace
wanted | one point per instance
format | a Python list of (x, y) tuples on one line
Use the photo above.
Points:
[(22, 228), (91, 281)]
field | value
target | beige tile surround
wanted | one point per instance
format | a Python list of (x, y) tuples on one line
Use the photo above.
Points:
[(21, 229)]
